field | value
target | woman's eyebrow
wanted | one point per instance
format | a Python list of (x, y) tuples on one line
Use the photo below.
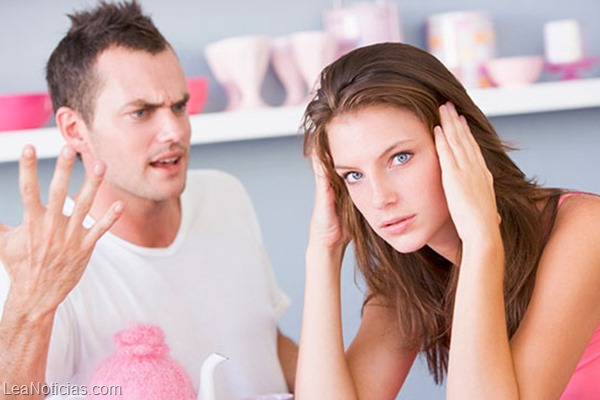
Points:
[(384, 153)]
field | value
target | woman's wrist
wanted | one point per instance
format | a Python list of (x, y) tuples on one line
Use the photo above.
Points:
[(485, 249), (318, 250)]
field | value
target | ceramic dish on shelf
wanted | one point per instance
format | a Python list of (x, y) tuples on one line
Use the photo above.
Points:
[(24, 111), (515, 71)]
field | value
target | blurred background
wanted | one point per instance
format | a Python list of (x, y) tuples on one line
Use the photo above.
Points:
[(559, 148)]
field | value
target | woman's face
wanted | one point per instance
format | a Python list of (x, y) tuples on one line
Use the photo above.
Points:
[(387, 158)]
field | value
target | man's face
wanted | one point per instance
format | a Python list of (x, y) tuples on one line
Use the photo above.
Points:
[(140, 127)]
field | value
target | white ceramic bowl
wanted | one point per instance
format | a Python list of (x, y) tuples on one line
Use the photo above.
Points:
[(515, 71)]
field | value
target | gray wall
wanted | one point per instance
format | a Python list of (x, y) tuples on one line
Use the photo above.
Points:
[(559, 148)]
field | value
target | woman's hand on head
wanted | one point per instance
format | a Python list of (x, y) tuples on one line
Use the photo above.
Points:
[(326, 229), (468, 183)]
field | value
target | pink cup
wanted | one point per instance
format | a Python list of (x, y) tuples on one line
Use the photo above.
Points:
[(24, 111)]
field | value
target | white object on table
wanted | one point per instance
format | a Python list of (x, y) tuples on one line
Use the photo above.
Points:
[(563, 42), (207, 372)]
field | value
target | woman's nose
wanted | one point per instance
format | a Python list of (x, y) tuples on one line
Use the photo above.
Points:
[(383, 192)]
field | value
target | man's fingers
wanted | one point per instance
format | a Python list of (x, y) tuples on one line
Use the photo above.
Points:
[(28, 182), (103, 224), (86, 195), (59, 186)]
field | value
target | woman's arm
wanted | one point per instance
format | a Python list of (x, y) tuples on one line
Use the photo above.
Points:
[(480, 361), (563, 313), (480, 364), (376, 365), (376, 356), (565, 306)]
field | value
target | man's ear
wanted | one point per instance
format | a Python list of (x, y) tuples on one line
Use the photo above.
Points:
[(73, 128)]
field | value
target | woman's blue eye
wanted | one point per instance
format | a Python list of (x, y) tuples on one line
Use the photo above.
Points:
[(352, 177), (402, 158)]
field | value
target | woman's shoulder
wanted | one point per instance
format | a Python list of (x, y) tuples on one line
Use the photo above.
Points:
[(569, 268), (575, 236), (578, 210)]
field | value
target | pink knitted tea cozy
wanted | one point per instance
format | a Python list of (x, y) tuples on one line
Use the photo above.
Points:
[(142, 368)]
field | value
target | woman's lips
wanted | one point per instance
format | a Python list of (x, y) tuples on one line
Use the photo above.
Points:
[(398, 225)]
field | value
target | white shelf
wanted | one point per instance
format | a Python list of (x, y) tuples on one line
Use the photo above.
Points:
[(540, 97), (285, 121)]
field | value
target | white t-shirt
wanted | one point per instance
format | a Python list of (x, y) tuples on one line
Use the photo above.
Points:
[(211, 290)]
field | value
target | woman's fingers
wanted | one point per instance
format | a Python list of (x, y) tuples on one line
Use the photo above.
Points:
[(323, 191), (461, 142), (28, 184), (59, 186), (451, 133), (326, 226), (471, 139), (317, 166), (443, 149)]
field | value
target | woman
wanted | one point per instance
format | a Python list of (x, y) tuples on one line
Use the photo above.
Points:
[(495, 279)]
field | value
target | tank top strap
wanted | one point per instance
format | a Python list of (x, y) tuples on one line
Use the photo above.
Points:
[(565, 196)]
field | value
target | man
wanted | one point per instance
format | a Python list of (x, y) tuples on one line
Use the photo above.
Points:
[(134, 246)]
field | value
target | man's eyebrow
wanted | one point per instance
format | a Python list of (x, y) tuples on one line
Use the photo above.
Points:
[(141, 103), (184, 99)]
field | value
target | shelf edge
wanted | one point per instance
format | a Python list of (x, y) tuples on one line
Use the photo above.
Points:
[(273, 122)]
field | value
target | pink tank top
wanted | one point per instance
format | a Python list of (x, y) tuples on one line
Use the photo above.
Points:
[(585, 382)]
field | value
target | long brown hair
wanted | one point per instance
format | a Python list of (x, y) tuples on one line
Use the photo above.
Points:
[(422, 285)]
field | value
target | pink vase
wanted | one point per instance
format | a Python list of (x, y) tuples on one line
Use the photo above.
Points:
[(217, 60), (240, 64), (286, 69), (313, 51)]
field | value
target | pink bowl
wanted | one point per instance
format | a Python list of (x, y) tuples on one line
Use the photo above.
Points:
[(24, 111), (515, 71), (198, 88)]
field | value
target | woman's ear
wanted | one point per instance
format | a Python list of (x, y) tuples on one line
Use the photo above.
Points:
[(73, 128)]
